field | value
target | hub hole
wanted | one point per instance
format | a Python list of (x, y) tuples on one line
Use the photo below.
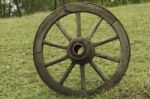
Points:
[(79, 49)]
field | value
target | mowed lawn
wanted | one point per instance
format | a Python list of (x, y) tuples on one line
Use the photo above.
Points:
[(18, 76)]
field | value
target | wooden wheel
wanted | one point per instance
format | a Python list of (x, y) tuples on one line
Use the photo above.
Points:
[(88, 49)]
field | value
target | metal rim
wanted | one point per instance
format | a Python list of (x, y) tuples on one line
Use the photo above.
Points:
[(78, 42)]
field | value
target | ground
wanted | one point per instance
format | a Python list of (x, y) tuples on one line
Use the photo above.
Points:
[(19, 79)]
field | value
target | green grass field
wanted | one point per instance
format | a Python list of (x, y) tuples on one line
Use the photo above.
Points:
[(18, 76)]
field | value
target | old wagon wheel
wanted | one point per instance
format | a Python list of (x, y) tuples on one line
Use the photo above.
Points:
[(86, 55)]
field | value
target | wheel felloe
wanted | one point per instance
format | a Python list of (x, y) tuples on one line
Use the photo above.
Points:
[(81, 50)]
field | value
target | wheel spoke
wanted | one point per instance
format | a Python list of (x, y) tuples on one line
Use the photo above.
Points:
[(82, 71), (69, 69), (95, 27), (54, 44), (78, 19), (104, 56), (56, 61), (106, 41), (98, 71), (63, 30)]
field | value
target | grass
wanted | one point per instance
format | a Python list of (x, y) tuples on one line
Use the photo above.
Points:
[(19, 79)]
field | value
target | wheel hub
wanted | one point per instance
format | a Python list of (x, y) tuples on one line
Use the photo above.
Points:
[(81, 50)]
